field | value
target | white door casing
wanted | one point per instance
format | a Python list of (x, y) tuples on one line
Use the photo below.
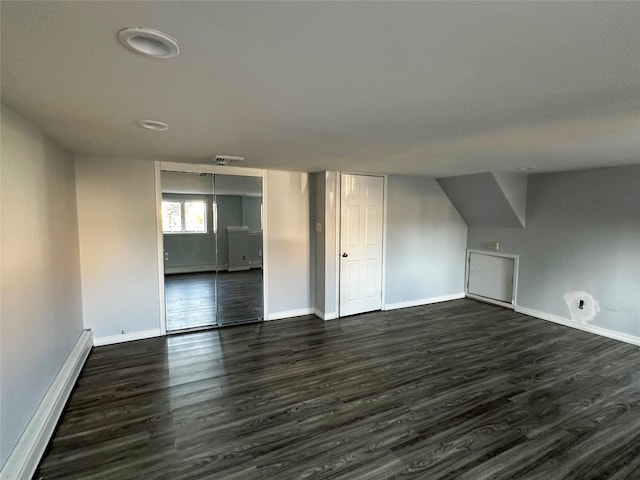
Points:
[(361, 235)]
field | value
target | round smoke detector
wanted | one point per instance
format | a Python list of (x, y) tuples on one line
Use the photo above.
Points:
[(148, 42)]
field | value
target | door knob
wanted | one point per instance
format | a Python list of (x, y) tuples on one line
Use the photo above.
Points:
[(345, 255)]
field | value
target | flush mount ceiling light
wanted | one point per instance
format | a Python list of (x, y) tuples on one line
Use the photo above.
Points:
[(154, 125), (148, 42)]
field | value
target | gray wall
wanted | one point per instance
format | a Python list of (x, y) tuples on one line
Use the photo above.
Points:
[(316, 197), (238, 185), (514, 187), (331, 228), (582, 233), (251, 213), (191, 183), (229, 215), (425, 242), (117, 218), (483, 200), (288, 244), (41, 302), (119, 249), (199, 249), (323, 195), (426, 239)]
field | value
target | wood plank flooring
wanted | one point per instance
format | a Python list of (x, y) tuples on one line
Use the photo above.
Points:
[(457, 390), (195, 300)]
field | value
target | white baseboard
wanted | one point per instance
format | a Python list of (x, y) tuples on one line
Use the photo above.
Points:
[(324, 316), (567, 322), (24, 459), (127, 337), (290, 313), (239, 269), (209, 268), (491, 301), (423, 301), (195, 269)]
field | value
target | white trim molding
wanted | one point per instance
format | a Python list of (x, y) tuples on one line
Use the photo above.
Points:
[(265, 244), (423, 301), (127, 337), (24, 459), (622, 337), (324, 316), (493, 301), (290, 313), (215, 169), (196, 269), (209, 169), (383, 273), (160, 242)]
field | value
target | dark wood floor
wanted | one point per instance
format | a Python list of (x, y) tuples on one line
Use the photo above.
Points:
[(457, 390), (195, 300)]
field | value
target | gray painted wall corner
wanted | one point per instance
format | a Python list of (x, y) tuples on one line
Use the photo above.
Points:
[(426, 241), (582, 235), (40, 262)]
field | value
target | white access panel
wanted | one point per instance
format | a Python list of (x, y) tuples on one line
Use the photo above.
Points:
[(491, 276)]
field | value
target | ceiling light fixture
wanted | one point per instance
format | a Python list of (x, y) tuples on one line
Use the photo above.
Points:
[(525, 169), (154, 125), (148, 42)]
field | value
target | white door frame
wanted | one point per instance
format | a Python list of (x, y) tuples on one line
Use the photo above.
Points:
[(516, 258), (338, 233), (214, 169)]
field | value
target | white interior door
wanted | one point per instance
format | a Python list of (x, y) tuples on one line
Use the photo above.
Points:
[(491, 276), (361, 210)]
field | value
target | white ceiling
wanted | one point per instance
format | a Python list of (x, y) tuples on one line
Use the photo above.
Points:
[(390, 87)]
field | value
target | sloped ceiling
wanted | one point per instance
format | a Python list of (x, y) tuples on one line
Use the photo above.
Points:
[(482, 201), (431, 88), (514, 188)]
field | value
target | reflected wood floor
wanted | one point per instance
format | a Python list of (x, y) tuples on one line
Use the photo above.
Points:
[(456, 390), (192, 298)]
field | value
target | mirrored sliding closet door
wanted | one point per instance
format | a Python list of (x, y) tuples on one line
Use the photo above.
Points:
[(212, 250)]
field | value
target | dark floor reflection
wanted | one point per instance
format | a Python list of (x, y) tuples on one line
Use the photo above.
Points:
[(192, 299)]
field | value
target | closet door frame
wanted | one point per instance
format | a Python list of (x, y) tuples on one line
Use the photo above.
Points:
[(209, 169)]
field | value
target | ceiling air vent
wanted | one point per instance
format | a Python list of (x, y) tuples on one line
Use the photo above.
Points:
[(227, 160)]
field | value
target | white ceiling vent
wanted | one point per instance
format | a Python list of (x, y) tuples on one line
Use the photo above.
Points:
[(227, 160)]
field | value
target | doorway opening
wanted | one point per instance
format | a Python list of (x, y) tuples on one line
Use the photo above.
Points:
[(212, 250)]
